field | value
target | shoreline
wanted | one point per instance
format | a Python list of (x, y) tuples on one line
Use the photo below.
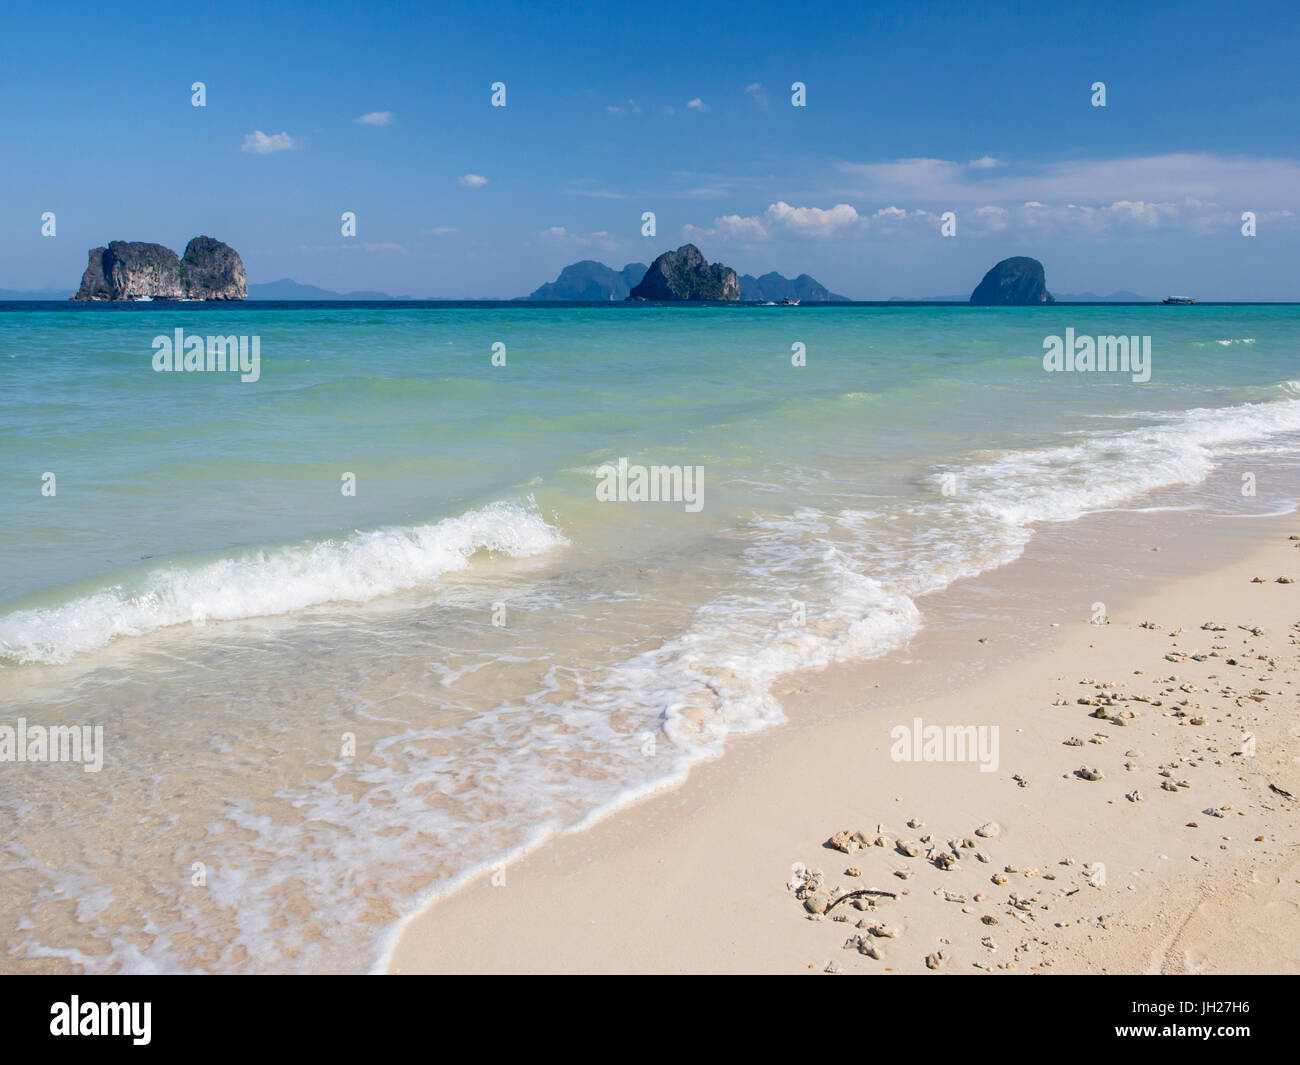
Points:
[(692, 877)]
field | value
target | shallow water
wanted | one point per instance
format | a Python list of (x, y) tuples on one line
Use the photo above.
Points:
[(336, 704)]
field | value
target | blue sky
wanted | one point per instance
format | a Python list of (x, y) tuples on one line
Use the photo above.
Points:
[(680, 109)]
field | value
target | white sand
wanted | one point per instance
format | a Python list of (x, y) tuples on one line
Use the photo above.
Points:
[(693, 879)]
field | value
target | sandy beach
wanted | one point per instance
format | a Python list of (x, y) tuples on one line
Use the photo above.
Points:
[(1143, 815)]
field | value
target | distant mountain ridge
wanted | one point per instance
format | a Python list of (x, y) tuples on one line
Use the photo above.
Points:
[(288, 289), (773, 286), (589, 280)]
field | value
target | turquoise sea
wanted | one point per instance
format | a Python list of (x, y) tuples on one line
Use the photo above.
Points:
[(321, 707)]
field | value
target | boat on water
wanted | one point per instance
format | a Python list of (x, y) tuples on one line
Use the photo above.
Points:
[(789, 303), (1179, 300)]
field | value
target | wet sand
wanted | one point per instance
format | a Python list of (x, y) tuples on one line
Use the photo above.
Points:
[(1182, 855)]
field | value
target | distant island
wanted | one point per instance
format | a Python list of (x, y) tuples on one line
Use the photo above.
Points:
[(685, 274), (212, 270), (1021, 281), (1119, 296), (1018, 281), (288, 290), (589, 280), (774, 287), (135, 270)]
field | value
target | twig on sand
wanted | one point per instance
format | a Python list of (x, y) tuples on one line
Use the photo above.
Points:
[(1284, 794), (859, 894)]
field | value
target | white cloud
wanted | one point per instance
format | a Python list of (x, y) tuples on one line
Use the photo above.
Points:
[(1193, 180), (375, 118), (259, 143), (560, 235), (1147, 213), (757, 93), (740, 228), (911, 179), (696, 105), (814, 221), (1125, 214), (798, 221), (471, 181), (630, 108), (1194, 192), (439, 231), (843, 220), (990, 218)]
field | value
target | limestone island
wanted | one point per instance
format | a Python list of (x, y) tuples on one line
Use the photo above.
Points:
[(134, 270), (685, 274), (590, 281), (1015, 282)]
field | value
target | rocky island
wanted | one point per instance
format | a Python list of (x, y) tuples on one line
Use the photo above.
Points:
[(685, 274), (134, 270), (1014, 282), (775, 287), (590, 280)]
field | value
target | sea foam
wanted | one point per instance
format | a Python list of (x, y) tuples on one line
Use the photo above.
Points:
[(264, 583)]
